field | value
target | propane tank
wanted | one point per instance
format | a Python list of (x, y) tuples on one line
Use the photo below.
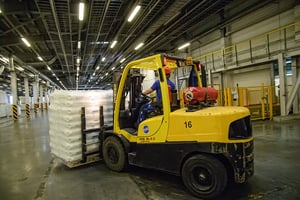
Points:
[(197, 95)]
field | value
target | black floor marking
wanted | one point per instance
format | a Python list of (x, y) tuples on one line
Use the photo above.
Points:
[(40, 192)]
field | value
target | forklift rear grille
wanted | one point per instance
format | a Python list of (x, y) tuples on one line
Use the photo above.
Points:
[(240, 129)]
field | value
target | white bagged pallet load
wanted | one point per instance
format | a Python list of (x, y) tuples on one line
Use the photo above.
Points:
[(3, 97), (3, 104), (23, 101), (65, 120), (3, 112)]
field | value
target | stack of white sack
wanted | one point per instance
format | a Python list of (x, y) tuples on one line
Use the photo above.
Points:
[(3, 97), (3, 104), (3, 112), (65, 120)]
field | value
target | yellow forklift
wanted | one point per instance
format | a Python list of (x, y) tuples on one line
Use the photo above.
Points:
[(184, 134)]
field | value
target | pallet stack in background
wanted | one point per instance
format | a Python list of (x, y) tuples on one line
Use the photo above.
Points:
[(22, 102), (65, 120), (4, 106)]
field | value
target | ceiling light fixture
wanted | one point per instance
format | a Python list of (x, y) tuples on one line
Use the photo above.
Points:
[(122, 60), (77, 68), (26, 42), (97, 67), (113, 68), (184, 45), (19, 68), (134, 12), (79, 45), (103, 59), (100, 42), (78, 60), (0, 11), (81, 11), (3, 59), (40, 58), (49, 68), (113, 44), (139, 46)]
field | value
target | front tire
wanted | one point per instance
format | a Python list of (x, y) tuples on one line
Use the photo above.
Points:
[(114, 154), (204, 176)]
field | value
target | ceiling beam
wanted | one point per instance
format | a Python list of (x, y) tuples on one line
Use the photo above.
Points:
[(12, 40)]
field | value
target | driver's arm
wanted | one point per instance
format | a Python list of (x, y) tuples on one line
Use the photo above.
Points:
[(148, 91), (154, 86)]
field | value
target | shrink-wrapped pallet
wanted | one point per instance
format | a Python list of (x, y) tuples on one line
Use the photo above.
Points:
[(23, 101), (65, 120), (3, 97), (3, 112), (7, 110)]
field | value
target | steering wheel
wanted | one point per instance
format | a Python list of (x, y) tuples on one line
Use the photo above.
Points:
[(146, 97), (143, 98)]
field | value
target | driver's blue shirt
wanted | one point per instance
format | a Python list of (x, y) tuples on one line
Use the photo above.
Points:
[(156, 87)]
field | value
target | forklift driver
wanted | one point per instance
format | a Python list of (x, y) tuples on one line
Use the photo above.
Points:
[(156, 85)]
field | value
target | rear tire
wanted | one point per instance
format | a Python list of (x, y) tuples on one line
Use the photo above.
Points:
[(114, 154), (204, 176)]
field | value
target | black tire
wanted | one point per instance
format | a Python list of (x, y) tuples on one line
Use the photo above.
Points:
[(204, 176), (114, 154)]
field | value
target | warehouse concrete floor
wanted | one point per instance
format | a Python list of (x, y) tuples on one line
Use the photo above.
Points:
[(29, 172)]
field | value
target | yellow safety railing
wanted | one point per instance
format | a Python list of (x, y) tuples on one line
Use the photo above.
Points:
[(259, 99), (259, 45)]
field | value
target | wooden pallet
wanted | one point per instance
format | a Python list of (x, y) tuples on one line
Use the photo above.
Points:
[(72, 164)]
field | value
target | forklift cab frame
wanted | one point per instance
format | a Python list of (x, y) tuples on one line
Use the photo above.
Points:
[(129, 85)]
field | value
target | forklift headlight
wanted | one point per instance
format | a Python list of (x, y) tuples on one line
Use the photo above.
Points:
[(240, 129)]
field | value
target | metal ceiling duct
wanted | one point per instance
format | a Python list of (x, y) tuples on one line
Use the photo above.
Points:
[(34, 71)]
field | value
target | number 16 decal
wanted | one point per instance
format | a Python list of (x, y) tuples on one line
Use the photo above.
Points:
[(188, 124)]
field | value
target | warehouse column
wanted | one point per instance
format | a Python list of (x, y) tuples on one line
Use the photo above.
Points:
[(295, 77), (27, 107), (45, 98), (13, 82), (47, 95), (35, 88), (41, 98), (282, 82), (293, 95)]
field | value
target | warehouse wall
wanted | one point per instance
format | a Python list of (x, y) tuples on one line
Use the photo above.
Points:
[(261, 20), (252, 77), (243, 49), (247, 77)]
